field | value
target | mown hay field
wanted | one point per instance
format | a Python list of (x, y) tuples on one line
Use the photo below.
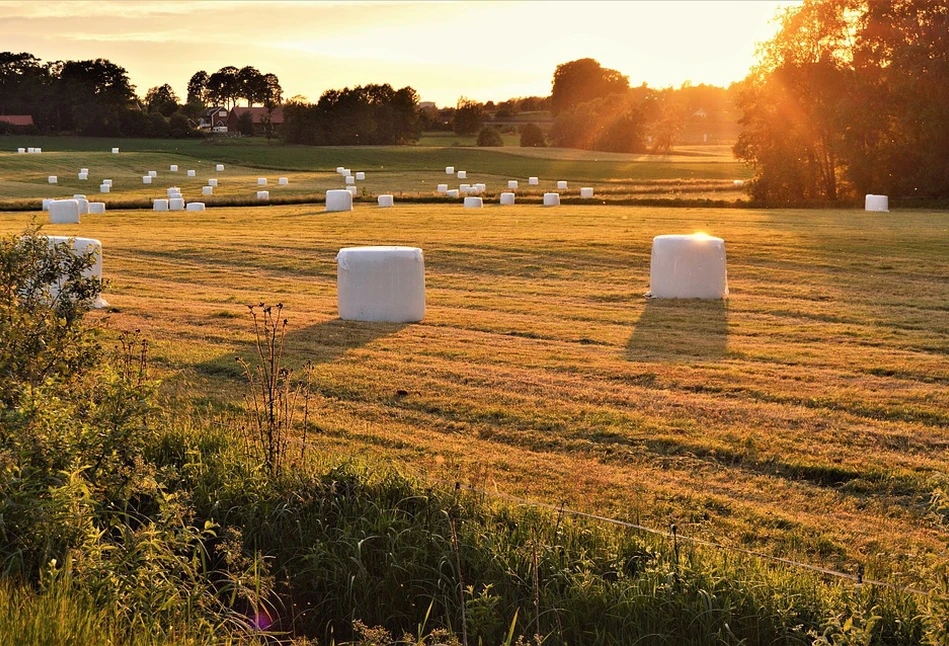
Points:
[(806, 416)]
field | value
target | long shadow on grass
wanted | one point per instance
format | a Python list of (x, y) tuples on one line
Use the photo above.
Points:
[(672, 330), (321, 343)]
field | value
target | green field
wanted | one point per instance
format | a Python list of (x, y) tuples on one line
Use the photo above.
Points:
[(408, 171), (807, 416)]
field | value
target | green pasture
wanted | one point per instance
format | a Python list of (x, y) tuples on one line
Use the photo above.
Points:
[(807, 415)]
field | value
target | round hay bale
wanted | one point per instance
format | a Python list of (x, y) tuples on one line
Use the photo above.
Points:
[(176, 204), (380, 284), (507, 199), (96, 208), (688, 266), (878, 203), (551, 199), (160, 204), (533, 181), (473, 203), (195, 206), (64, 212), (512, 183), (386, 201), (263, 195), (586, 193), (339, 200)]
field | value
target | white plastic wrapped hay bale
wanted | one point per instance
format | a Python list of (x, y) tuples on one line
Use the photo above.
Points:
[(173, 168), (84, 170), (462, 174), (381, 284), (176, 204), (146, 179), (83, 177), (452, 192), (78, 196), (561, 185), (586, 193), (195, 206), (261, 181), (52, 179), (83, 205), (96, 208), (350, 179), (115, 151), (360, 175), (464, 188), (173, 191), (105, 188), (441, 188), (688, 266), (21, 151), (551, 199), (82, 247), (37, 150), (153, 173), (212, 182), (46, 203), (473, 203), (346, 172), (30, 150), (219, 167), (64, 212), (386, 201), (283, 181), (340, 169), (351, 190), (160, 204), (207, 190), (191, 173), (107, 182), (512, 184), (739, 183), (449, 170), (481, 188), (879, 203), (339, 200), (533, 181), (263, 195), (507, 199)]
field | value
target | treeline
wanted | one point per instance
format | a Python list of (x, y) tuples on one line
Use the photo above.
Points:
[(368, 114), (850, 97)]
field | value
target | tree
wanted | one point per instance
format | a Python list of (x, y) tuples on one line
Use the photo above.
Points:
[(490, 136), (468, 117), (178, 126), (532, 136), (162, 99), (583, 80), (198, 88), (253, 85), (245, 124), (273, 93), (614, 122), (224, 87)]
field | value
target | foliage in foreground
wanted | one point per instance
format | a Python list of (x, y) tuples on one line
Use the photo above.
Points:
[(123, 524)]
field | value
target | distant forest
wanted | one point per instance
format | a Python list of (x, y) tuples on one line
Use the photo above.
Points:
[(850, 97)]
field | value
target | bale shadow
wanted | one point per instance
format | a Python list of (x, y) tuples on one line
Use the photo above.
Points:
[(672, 330), (321, 343)]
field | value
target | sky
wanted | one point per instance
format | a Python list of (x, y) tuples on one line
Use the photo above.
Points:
[(480, 49)]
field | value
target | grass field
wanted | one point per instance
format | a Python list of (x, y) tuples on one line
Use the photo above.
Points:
[(697, 172), (807, 416)]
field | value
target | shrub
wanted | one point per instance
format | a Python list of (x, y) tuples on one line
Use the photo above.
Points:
[(490, 136), (245, 124), (532, 136)]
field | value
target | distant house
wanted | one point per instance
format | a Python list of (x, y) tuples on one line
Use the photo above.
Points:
[(259, 116), (17, 120), (213, 120)]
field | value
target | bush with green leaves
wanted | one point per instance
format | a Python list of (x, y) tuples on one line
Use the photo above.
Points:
[(532, 136), (490, 136)]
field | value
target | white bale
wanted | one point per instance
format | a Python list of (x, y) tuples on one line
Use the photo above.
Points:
[(688, 266), (115, 151), (339, 200), (381, 284), (283, 181), (462, 174), (551, 199), (160, 205), (153, 173), (507, 199), (176, 204), (350, 179), (173, 191), (561, 185), (173, 168), (104, 188), (263, 195), (880, 203), (441, 188), (97, 208), (481, 188), (107, 182), (219, 167), (739, 183), (386, 201), (464, 188), (78, 196), (340, 169), (212, 182), (84, 170), (586, 193), (83, 176), (83, 205), (452, 192), (37, 150), (473, 203), (261, 181), (64, 212), (347, 172), (82, 247), (512, 183), (52, 179), (195, 206), (30, 150), (449, 170), (360, 175), (46, 202), (146, 179), (351, 190), (533, 181), (191, 173), (207, 190), (21, 150)]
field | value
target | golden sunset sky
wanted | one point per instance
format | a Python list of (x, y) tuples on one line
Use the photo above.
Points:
[(484, 50)]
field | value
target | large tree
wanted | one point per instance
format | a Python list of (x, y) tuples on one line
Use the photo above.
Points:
[(162, 99), (224, 87), (583, 80), (198, 88), (468, 117)]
